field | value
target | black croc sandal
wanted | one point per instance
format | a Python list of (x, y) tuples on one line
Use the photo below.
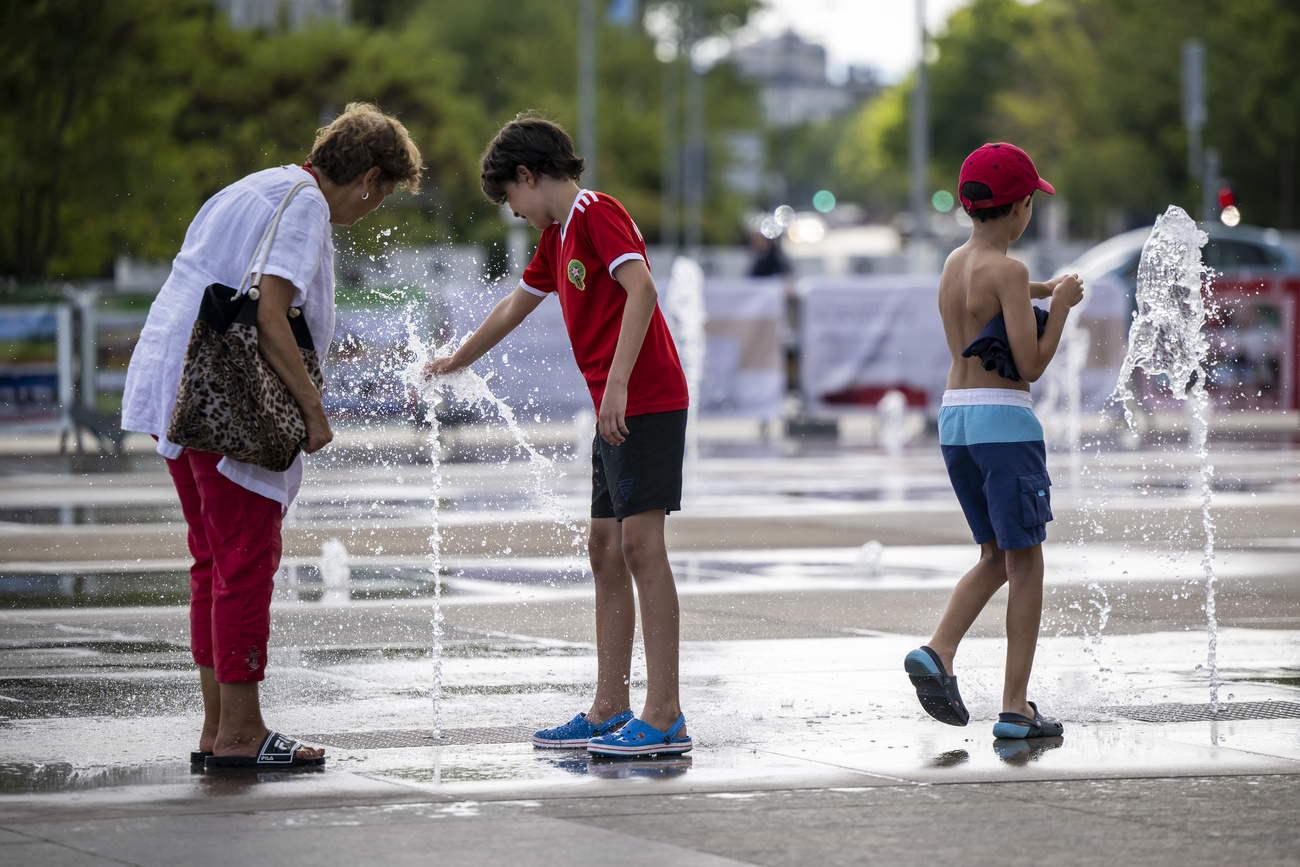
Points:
[(1015, 725), (935, 688)]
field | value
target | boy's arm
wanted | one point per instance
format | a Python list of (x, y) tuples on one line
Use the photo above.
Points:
[(1043, 290), (635, 279), (504, 318), (1030, 352)]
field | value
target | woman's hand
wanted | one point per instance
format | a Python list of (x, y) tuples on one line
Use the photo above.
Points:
[(276, 344), (319, 432)]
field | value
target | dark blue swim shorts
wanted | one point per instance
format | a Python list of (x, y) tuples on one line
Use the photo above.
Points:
[(993, 446)]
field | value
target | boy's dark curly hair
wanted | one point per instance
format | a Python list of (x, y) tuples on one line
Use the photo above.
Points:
[(978, 192), (540, 145)]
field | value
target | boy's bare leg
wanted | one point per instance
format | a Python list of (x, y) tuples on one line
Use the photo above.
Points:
[(646, 555), (615, 620), (211, 707), (1024, 613), (968, 599)]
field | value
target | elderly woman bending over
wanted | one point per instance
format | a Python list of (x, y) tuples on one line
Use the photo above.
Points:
[(233, 509)]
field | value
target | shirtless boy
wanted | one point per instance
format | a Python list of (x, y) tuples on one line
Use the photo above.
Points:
[(992, 442)]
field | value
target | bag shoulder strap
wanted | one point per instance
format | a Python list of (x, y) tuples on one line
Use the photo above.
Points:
[(268, 237)]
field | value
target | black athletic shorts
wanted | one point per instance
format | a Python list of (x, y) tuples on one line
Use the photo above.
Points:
[(645, 472)]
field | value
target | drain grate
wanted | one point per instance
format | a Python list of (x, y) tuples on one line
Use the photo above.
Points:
[(388, 739), (1241, 710)]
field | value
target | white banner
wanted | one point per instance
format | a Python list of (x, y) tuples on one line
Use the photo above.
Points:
[(863, 336), (743, 370)]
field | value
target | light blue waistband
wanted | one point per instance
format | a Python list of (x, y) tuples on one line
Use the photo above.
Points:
[(988, 423)]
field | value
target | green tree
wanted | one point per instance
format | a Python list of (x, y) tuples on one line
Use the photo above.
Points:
[(118, 119), (82, 115), (1092, 88), (522, 55)]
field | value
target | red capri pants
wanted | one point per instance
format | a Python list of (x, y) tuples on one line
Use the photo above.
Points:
[(235, 541)]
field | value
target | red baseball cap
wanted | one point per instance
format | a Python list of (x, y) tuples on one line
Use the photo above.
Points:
[(1006, 170)]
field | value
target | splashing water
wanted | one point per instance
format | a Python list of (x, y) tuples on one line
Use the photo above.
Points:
[(335, 572), (684, 308), (1167, 338), (892, 414), (473, 389)]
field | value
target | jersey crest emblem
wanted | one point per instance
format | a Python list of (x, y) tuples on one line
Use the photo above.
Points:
[(577, 274)]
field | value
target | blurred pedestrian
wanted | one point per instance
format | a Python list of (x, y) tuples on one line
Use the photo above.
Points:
[(232, 509), (766, 257)]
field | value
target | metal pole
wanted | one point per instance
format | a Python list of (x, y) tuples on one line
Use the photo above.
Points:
[(87, 309), (670, 190), (1194, 113), (587, 90), (693, 171), (920, 147), (63, 353)]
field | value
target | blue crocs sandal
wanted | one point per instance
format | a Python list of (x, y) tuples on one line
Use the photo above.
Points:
[(935, 688), (638, 738), (575, 733), (1015, 725)]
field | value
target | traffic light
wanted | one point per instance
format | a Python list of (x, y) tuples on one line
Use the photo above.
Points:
[(1228, 212)]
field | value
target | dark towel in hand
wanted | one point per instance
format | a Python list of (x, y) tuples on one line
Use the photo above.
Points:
[(994, 349)]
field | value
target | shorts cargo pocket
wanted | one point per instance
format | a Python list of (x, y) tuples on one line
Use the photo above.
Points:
[(1035, 499)]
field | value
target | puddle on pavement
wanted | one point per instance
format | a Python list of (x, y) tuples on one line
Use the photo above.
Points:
[(89, 589), (30, 778), (75, 515), (80, 696)]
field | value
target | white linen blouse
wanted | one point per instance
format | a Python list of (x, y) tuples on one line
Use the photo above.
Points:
[(218, 246)]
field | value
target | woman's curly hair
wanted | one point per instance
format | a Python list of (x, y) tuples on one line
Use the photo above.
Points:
[(363, 137)]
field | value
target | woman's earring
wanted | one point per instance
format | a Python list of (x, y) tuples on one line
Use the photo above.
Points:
[(365, 195)]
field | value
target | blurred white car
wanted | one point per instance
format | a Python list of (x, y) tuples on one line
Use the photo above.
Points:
[(1232, 252), (1250, 362)]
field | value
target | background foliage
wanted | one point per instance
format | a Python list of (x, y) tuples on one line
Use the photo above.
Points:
[(1092, 89), (118, 118)]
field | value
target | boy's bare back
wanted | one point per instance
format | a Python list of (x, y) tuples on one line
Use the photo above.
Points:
[(979, 282)]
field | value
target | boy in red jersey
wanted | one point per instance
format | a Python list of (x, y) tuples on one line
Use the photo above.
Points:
[(592, 257)]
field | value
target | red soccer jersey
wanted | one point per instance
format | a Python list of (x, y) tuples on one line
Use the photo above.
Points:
[(576, 259)]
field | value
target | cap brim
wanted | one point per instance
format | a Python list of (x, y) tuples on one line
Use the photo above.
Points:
[(1046, 187)]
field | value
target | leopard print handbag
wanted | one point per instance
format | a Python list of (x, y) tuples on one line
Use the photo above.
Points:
[(230, 400)]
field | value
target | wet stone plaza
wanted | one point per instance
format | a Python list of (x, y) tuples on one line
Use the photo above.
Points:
[(807, 569)]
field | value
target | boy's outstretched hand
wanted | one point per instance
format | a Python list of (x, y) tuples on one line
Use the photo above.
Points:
[(441, 366), (1068, 290), (613, 406)]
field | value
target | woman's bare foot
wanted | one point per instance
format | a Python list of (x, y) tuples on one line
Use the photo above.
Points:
[(207, 739), (248, 742)]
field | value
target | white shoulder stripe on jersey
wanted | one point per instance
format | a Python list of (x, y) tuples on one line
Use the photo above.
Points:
[(626, 257), (582, 194)]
